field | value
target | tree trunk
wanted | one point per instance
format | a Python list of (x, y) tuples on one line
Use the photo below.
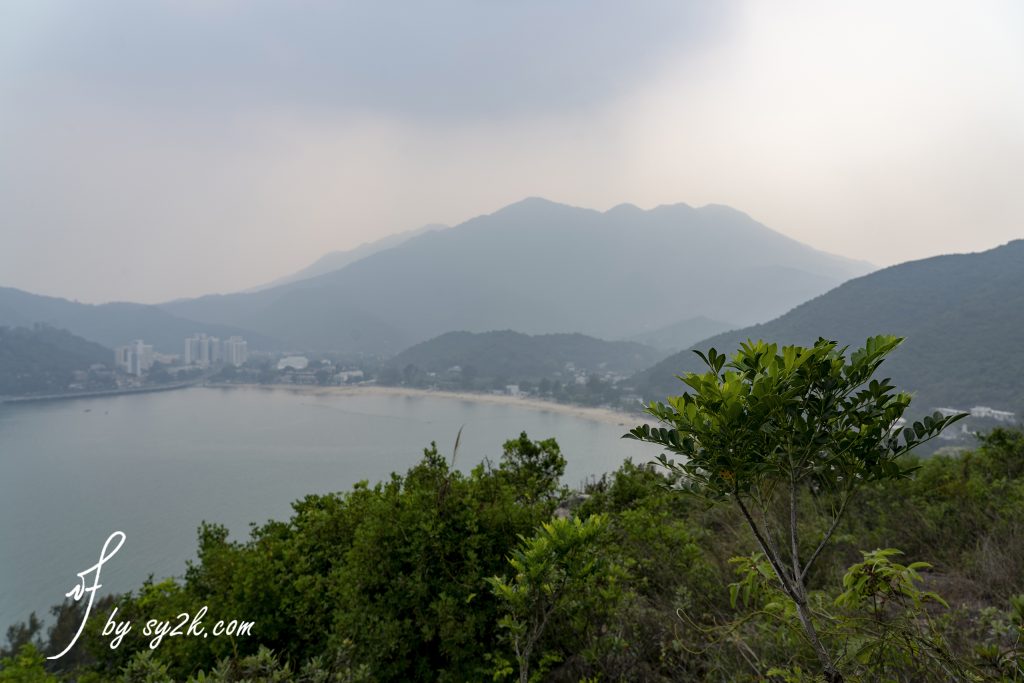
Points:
[(829, 669)]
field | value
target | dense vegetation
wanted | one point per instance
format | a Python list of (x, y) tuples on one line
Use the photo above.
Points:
[(500, 573), (392, 583), (43, 360), (960, 314), (476, 360)]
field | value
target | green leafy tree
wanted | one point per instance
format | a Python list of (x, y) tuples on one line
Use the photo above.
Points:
[(553, 572), (25, 667), (533, 468), (772, 425)]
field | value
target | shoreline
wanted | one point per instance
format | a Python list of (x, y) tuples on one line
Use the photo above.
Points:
[(99, 393), (605, 415)]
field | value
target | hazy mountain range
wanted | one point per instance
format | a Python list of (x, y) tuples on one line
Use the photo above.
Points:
[(682, 334), (664, 277), (962, 315), (335, 260), (536, 267), (110, 324), (539, 267)]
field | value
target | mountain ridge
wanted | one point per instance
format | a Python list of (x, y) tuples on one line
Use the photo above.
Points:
[(538, 267), (960, 314), (335, 260)]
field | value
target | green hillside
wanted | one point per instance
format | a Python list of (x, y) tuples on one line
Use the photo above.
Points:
[(522, 357), (42, 359), (962, 316)]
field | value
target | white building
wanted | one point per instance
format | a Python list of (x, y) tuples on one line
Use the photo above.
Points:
[(345, 376), (235, 351), (293, 362), (135, 358), (205, 351)]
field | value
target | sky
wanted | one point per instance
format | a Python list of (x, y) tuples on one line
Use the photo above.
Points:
[(157, 150)]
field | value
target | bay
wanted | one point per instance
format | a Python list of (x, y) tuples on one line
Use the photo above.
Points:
[(156, 465)]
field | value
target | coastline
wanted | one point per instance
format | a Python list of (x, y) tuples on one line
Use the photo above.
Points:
[(100, 393), (605, 415)]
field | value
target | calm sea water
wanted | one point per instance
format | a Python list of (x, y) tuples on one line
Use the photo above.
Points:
[(155, 465)]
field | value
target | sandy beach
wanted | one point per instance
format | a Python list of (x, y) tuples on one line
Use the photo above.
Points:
[(606, 415)]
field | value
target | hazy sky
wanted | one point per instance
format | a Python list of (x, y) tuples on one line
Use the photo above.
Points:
[(154, 150)]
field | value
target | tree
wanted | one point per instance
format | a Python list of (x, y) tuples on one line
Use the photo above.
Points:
[(552, 572), (27, 666), (533, 468), (767, 428)]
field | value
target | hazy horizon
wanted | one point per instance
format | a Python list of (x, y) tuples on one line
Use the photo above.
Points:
[(150, 154)]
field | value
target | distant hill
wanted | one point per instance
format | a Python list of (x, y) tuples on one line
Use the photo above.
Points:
[(336, 260), (113, 324), (541, 267), (682, 334), (42, 359), (524, 357), (962, 315)]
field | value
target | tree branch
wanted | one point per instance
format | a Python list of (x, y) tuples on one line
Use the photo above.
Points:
[(772, 559), (828, 534), (798, 574)]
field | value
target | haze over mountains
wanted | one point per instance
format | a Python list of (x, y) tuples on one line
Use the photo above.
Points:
[(336, 260), (536, 267), (540, 267), (682, 334), (962, 316), (110, 324), (663, 277)]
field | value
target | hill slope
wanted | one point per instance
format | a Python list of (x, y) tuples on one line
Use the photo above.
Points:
[(336, 260), (962, 315), (41, 359), (111, 324), (682, 334), (524, 357), (541, 267)]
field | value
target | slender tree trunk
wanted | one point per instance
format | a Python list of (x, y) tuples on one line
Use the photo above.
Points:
[(832, 674), (794, 587)]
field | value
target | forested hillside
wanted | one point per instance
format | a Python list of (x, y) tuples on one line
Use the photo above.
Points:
[(43, 359), (962, 316), (523, 357)]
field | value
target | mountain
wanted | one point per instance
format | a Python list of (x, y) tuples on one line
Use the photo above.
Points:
[(682, 334), (541, 267), (113, 324), (42, 359), (962, 316), (336, 260), (524, 357)]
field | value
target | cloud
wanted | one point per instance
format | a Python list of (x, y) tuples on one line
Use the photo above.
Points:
[(450, 59), (882, 131), (163, 150)]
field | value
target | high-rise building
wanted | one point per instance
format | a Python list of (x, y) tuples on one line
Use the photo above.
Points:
[(235, 351), (191, 350), (135, 358), (123, 358), (205, 351)]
